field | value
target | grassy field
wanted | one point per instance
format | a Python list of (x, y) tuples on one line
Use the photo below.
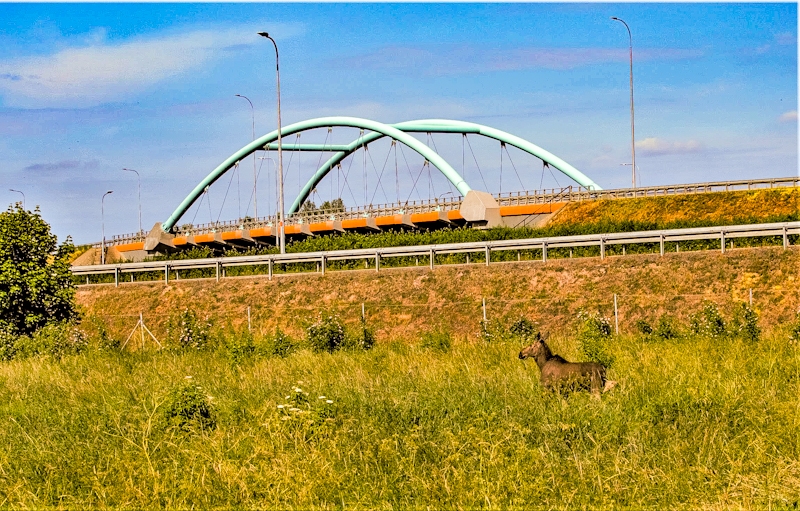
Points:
[(694, 423)]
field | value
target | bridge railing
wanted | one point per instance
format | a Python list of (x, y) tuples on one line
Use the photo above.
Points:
[(518, 198)]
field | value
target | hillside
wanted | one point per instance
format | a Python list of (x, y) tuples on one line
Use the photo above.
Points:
[(721, 208), (403, 303)]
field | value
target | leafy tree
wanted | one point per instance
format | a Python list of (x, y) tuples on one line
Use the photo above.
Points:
[(36, 285)]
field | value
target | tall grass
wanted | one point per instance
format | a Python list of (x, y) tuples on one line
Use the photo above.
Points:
[(696, 421)]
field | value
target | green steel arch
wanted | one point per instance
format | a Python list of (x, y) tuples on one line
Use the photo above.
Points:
[(323, 122), (444, 126)]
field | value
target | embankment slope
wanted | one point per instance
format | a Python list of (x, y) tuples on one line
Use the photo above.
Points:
[(403, 303)]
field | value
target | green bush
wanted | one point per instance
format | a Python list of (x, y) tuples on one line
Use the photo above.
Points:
[(643, 327), (240, 347), (281, 344), (794, 329), (187, 332), (594, 336), (55, 340), (708, 322), (438, 340), (8, 342), (523, 330), (745, 323), (326, 334), (361, 339), (188, 408), (667, 328)]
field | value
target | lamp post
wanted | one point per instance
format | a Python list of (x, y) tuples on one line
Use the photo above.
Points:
[(255, 178), (103, 224), (281, 231), (139, 181), (633, 137), (23, 196)]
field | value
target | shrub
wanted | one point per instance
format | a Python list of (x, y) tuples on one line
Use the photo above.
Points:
[(708, 322), (281, 345), (98, 331), (55, 340), (188, 408), (594, 335), (186, 332), (240, 347), (326, 334), (794, 329), (667, 328), (643, 327), (8, 342), (362, 339), (438, 340), (523, 330), (745, 323)]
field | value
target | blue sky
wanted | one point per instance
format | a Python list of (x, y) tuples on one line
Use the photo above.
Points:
[(88, 89)]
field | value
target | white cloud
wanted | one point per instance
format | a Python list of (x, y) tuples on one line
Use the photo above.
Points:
[(656, 146), (100, 72), (790, 116)]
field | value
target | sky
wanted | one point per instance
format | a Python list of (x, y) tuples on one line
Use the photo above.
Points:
[(89, 89)]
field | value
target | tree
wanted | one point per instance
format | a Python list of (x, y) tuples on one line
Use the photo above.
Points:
[(36, 285)]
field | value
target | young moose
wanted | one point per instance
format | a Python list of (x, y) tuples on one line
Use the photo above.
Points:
[(557, 373)]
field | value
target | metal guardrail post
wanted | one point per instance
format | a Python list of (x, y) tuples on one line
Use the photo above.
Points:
[(785, 238), (166, 273), (544, 252), (377, 261), (322, 260), (488, 255), (661, 242), (602, 248), (218, 272), (116, 276), (432, 256), (722, 240), (269, 275)]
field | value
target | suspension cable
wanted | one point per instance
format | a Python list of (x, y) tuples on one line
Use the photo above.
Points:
[(225, 198), (486, 187), (514, 167), (380, 176)]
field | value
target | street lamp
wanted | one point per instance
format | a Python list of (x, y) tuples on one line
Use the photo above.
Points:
[(255, 179), (282, 233), (633, 138), (103, 224), (139, 180), (23, 196)]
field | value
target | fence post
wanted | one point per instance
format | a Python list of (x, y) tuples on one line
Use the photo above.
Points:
[(322, 264), (377, 261), (166, 273), (269, 274), (484, 309), (488, 255), (785, 238), (218, 265), (722, 240), (116, 276), (249, 324), (544, 251), (602, 248), (432, 254), (363, 313), (661, 241), (616, 316)]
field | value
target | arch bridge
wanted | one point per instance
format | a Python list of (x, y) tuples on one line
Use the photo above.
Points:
[(474, 207)]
